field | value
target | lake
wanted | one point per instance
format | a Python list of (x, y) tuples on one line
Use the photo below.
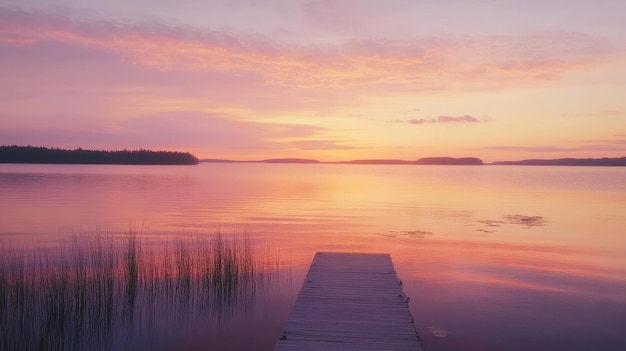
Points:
[(492, 257)]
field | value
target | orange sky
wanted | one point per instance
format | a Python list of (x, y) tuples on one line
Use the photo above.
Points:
[(331, 80)]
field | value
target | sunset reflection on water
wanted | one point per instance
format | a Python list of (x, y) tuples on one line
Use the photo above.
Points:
[(493, 257)]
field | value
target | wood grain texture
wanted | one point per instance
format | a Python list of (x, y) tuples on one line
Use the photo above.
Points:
[(350, 301)]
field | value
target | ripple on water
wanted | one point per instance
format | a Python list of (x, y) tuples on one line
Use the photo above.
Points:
[(438, 332), (523, 220)]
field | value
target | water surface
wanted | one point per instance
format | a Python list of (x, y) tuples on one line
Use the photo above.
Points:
[(493, 257)]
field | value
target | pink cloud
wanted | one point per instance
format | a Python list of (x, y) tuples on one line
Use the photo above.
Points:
[(616, 140), (446, 119), (214, 134), (416, 64), (212, 131)]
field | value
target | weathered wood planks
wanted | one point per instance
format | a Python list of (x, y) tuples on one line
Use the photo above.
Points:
[(350, 301)]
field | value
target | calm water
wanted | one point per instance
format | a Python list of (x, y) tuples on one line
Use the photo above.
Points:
[(493, 257)]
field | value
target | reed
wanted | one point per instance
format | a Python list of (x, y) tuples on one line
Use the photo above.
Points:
[(87, 295)]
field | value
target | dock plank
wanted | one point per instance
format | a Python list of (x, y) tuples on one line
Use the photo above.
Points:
[(350, 301)]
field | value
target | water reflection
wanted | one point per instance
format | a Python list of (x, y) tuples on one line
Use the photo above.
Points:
[(105, 292), (523, 220), (505, 258)]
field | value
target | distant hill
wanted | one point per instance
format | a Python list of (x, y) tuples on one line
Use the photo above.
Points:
[(468, 161), (30, 154), (612, 162)]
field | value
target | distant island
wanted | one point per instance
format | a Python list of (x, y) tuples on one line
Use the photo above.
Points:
[(607, 162), (30, 154), (464, 161), (451, 161)]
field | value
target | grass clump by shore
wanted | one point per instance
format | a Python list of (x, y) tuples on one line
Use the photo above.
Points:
[(102, 289)]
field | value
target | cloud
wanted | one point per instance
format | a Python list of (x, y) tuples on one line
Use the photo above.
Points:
[(441, 119), (419, 64), (618, 139), (321, 145), (215, 132)]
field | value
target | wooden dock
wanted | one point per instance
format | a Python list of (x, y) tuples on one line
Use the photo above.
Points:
[(350, 301)]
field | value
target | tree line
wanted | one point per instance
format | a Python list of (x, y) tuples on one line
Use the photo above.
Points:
[(31, 154)]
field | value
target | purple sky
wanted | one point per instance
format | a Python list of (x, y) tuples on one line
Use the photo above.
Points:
[(331, 80)]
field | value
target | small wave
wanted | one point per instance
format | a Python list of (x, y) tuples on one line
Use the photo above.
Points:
[(528, 221), (438, 332)]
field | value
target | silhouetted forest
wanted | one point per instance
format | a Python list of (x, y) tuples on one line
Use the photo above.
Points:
[(30, 154)]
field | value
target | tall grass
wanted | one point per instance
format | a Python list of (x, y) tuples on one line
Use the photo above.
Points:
[(97, 290)]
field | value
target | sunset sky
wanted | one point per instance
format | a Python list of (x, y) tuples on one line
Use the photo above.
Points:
[(325, 79)]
